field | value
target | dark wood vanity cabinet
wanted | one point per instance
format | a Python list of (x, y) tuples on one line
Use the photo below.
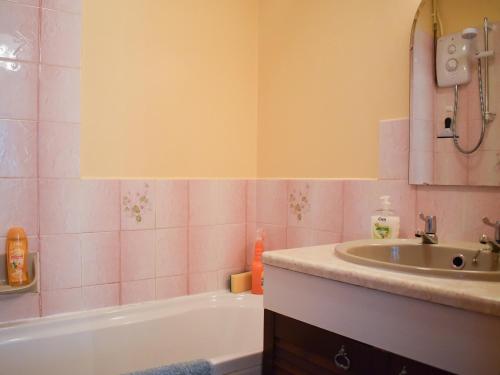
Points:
[(295, 347)]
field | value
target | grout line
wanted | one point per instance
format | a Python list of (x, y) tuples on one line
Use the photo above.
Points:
[(120, 289), (15, 3), (188, 232), (287, 194), (342, 224), (39, 36)]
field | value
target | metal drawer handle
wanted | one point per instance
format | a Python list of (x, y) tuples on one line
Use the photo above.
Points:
[(341, 359), (403, 371)]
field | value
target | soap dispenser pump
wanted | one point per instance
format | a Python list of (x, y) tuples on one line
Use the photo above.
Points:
[(384, 221)]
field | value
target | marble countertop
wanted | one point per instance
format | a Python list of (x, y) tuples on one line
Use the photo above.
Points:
[(478, 296)]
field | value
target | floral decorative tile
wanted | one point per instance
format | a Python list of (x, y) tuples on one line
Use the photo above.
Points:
[(299, 202), (137, 204)]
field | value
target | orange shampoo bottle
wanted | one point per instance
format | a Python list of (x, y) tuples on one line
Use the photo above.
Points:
[(17, 257), (257, 266)]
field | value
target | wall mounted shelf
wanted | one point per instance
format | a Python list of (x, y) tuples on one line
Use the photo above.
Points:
[(33, 270)]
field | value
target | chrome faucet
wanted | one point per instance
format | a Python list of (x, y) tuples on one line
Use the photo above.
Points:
[(429, 236), (494, 245)]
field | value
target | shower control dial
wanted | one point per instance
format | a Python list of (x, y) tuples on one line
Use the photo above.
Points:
[(453, 60), (451, 65)]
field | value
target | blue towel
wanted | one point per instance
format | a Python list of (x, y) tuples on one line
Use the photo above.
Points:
[(198, 367)]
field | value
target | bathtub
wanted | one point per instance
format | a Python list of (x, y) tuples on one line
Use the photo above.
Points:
[(225, 328)]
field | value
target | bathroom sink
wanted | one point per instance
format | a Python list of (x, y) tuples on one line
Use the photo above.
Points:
[(454, 260)]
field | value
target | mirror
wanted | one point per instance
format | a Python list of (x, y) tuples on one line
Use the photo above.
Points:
[(455, 93)]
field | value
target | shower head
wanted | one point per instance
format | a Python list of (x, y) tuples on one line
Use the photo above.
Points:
[(469, 33)]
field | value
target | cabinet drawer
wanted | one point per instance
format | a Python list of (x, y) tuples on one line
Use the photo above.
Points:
[(404, 366), (317, 351)]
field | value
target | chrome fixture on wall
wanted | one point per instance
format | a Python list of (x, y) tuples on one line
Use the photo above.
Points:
[(454, 92), (486, 116)]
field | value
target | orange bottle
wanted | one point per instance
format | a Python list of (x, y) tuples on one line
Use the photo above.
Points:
[(17, 257), (257, 266)]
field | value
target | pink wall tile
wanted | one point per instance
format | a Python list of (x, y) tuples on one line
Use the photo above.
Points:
[(203, 282), (59, 94), (61, 301), (421, 169), (98, 296), (59, 206), (59, 150), (480, 202), (321, 237), (19, 197), (138, 204), (422, 135), (394, 146), (361, 199), (250, 244), (327, 203), (251, 201), (232, 202), (27, 2), (450, 168), (231, 247), (217, 202), (18, 144), (137, 255), (272, 202), (18, 97), (74, 6), (100, 258), (23, 306), (138, 291), (422, 100), (492, 141), (275, 236), (447, 204), (60, 38), (60, 262), (171, 203), (100, 205), (299, 203), (170, 287), (484, 167), (354, 236), (224, 277), (203, 202), (423, 56), (474, 106), (215, 247), (298, 237), (18, 32), (203, 248), (171, 251)]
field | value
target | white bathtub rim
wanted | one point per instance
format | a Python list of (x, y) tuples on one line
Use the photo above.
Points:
[(26, 329), (226, 363)]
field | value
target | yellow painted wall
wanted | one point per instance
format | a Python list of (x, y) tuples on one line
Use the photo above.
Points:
[(169, 88), (458, 14), (329, 70), (241, 88)]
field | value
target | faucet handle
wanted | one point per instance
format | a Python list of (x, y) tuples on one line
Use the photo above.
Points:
[(430, 223), (484, 239), (495, 225), (487, 221)]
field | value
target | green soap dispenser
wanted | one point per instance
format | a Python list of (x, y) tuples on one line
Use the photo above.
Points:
[(384, 221)]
